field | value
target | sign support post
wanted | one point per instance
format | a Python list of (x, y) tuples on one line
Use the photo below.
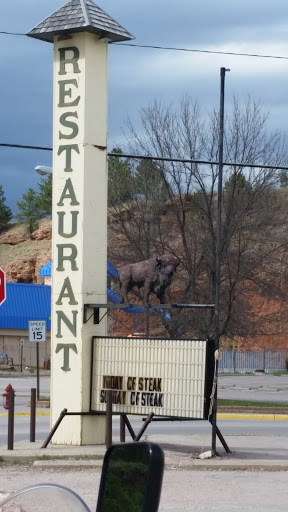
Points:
[(80, 32), (37, 333), (37, 371), (21, 353)]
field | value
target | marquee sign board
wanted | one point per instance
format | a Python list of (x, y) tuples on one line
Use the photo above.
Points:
[(164, 376)]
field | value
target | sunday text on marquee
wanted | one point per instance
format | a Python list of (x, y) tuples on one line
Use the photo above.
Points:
[(142, 391)]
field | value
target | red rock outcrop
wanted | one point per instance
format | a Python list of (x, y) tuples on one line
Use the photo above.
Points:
[(27, 255), (44, 231), (22, 271)]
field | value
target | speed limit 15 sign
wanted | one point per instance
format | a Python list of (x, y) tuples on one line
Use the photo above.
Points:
[(37, 330)]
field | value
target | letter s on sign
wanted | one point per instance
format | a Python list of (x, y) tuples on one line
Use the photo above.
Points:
[(69, 124)]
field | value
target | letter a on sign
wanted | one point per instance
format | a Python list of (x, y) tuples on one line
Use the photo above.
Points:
[(2, 286)]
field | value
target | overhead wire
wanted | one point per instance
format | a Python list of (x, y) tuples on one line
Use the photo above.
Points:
[(175, 48), (11, 33), (169, 48), (238, 54), (162, 158)]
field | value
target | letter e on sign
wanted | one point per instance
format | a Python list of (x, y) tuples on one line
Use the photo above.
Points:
[(2, 286)]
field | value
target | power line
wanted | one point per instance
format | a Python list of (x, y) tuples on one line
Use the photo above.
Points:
[(22, 146), (174, 48), (163, 158), (203, 51), (12, 33)]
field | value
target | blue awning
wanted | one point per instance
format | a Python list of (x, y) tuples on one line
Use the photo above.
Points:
[(25, 302)]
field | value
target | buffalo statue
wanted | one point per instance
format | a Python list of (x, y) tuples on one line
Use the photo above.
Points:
[(154, 275)]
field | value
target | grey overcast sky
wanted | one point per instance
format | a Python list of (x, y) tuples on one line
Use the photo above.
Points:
[(137, 76)]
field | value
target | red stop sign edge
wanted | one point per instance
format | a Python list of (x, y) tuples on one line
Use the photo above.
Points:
[(2, 286)]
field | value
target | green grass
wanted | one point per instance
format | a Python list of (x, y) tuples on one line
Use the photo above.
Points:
[(64, 457), (247, 403)]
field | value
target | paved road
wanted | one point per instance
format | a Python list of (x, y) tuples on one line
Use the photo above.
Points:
[(239, 387), (22, 429), (254, 387), (183, 490), (260, 388), (22, 387), (228, 428)]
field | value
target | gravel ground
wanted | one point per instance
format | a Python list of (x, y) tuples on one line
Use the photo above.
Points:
[(182, 490)]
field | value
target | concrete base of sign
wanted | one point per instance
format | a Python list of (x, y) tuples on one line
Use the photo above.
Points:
[(92, 431)]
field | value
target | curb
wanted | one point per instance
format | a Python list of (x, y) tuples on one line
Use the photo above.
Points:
[(250, 416), (216, 463), (68, 464), (190, 464), (227, 416), (233, 465), (26, 413)]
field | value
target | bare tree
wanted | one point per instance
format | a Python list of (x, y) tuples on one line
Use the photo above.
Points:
[(184, 221)]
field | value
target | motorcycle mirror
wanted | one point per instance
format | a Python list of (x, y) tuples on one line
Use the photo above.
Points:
[(131, 478)]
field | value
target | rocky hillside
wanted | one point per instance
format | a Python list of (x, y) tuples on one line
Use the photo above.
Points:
[(22, 257)]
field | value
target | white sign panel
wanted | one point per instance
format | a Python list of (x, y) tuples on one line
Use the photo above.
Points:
[(163, 376), (37, 330)]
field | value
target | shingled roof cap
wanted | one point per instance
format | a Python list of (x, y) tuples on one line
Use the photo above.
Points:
[(80, 16)]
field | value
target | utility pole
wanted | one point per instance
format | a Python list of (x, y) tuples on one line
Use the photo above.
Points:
[(218, 257)]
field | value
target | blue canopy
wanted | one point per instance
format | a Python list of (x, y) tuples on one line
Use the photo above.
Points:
[(25, 302)]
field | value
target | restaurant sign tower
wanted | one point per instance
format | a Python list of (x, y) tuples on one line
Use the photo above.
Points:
[(80, 32)]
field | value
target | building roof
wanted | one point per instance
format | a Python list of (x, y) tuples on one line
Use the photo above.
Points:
[(25, 302), (80, 16), (46, 270)]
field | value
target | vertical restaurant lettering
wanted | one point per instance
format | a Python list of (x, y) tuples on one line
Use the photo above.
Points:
[(67, 201)]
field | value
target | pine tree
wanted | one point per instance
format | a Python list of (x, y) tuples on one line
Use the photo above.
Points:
[(119, 179), (5, 211), (29, 210), (45, 196), (149, 182)]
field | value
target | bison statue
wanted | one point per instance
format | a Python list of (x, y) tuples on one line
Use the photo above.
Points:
[(154, 275)]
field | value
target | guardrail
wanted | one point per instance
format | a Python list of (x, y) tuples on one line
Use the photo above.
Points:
[(267, 360)]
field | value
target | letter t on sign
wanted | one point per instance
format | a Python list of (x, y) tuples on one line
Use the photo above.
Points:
[(66, 347)]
